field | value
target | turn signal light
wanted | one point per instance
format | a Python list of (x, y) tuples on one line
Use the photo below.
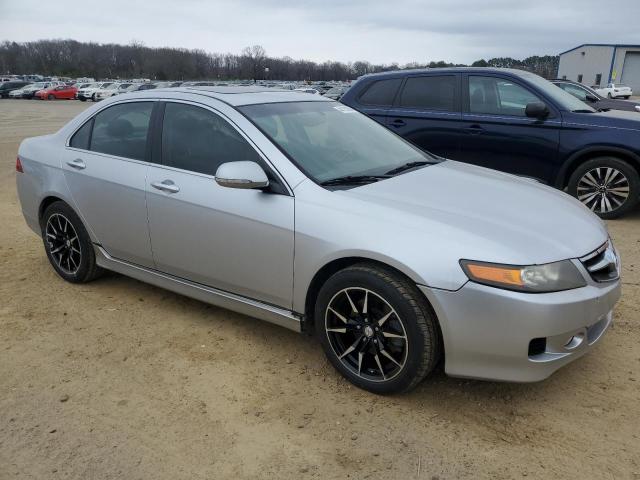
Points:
[(19, 165), (504, 275)]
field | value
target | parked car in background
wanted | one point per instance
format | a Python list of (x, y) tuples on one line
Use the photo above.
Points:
[(514, 121), (30, 90), (307, 90), (401, 258), (335, 93), (89, 93), (19, 93), (79, 85), (591, 97), (59, 92), (7, 87), (615, 90), (111, 90)]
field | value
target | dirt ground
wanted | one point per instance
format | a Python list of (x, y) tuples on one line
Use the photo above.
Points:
[(118, 379)]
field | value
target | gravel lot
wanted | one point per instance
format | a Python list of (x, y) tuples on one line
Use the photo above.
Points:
[(118, 379)]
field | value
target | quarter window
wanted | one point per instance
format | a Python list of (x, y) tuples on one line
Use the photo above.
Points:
[(200, 141), (81, 138), (381, 92), (122, 130), (431, 93), (497, 96)]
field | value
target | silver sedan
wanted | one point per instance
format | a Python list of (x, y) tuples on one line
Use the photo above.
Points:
[(298, 210)]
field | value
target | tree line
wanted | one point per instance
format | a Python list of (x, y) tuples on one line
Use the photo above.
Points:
[(70, 58)]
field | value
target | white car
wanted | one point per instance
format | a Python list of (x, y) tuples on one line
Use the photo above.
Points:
[(89, 93), (615, 90), (111, 90), (307, 90), (19, 93)]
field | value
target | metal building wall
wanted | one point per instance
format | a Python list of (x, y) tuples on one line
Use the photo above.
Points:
[(587, 61)]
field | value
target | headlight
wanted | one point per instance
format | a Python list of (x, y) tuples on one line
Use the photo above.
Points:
[(551, 277), (638, 108)]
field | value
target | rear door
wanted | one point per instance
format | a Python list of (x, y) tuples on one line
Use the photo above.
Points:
[(105, 166), (499, 135), (427, 113), (240, 241)]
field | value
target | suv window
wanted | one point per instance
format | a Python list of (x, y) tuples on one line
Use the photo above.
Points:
[(122, 130), (381, 92), (498, 96), (573, 90), (200, 141), (435, 92)]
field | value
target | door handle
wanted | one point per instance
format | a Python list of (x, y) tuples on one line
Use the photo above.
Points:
[(78, 164), (166, 186), (398, 122), (475, 130)]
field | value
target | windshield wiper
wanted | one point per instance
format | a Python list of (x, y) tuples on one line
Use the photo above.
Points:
[(353, 179), (407, 166)]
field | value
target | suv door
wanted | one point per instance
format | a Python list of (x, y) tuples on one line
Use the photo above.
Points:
[(427, 113), (498, 133), (239, 241), (105, 165)]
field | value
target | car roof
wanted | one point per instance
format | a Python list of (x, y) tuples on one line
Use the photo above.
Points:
[(239, 96), (417, 71)]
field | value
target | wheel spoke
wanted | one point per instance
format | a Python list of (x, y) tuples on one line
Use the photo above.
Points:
[(341, 317), (337, 330), (386, 354), (385, 318), (393, 335), (360, 355), (588, 178), (351, 348), (353, 305), (380, 366), (365, 305)]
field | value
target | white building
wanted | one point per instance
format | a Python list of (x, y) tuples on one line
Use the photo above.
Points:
[(598, 64)]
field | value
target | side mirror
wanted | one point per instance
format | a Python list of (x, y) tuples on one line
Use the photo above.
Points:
[(536, 110), (591, 98), (244, 175)]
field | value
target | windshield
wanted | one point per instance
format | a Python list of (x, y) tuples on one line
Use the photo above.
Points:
[(328, 140), (564, 100)]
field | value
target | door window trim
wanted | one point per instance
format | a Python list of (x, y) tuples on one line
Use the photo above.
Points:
[(156, 148)]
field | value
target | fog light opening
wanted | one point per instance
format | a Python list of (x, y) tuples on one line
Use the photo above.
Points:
[(574, 341), (537, 346)]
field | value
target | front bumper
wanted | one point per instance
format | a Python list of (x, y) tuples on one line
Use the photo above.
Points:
[(488, 332)]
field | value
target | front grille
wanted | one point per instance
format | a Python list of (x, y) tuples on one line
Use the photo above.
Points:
[(602, 264)]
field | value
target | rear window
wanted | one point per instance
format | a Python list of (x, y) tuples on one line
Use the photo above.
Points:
[(431, 93), (381, 92)]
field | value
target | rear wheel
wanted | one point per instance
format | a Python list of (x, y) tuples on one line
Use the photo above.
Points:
[(377, 329), (609, 95), (68, 245), (608, 186)]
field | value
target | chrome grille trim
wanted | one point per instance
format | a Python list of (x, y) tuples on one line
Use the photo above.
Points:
[(603, 263)]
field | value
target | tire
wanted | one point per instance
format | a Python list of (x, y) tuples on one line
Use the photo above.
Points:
[(602, 183), (51, 97), (67, 244), (93, 97), (82, 99), (609, 95), (399, 322), (626, 97)]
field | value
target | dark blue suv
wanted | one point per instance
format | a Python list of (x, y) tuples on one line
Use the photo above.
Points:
[(514, 121)]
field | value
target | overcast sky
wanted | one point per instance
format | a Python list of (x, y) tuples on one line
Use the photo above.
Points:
[(388, 31)]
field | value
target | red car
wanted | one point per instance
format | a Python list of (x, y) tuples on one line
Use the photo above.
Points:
[(59, 92)]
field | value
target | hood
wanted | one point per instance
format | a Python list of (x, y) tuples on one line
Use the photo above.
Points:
[(610, 119), (490, 215)]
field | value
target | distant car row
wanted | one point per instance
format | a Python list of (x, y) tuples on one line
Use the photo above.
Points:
[(96, 91)]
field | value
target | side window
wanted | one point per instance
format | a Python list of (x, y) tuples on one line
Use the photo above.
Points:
[(498, 96), (81, 138), (122, 130), (381, 92), (432, 93), (200, 141)]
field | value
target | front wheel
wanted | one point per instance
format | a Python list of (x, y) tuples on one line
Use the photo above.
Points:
[(68, 245), (608, 186), (377, 329), (609, 95), (51, 97)]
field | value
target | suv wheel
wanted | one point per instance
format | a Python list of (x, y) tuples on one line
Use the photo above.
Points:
[(608, 186), (68, 245), (377, 329)]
